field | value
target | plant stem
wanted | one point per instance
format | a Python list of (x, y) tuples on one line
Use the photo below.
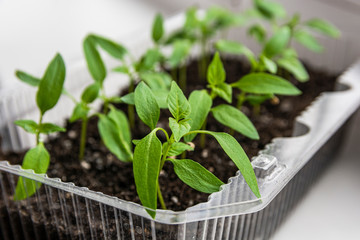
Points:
[(38, 132), (202, 136), (256, 110), (174, 73), (182, 77), (131, 110), (241, 99), (161, 199), (83, 138)]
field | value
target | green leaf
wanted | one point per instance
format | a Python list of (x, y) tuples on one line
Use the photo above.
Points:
[(114, 138), (216, 72), (156, 80), (122, 123), (181, 50), (196, 176), (146, 167), (80, 111), (269, 64), (323, 27), (48, 128), (90, 93), (38, 160), (236, 48), (157, 28), (128, 98), (308, 41), (177, 103), (161, 97), (200, 103), (114, 49), (264, 83), (51, 84), (233, 149), (224, 91), (93, 59), (178, 148), (146, 105), (278, 42), (295, 67), (258, 32), (149, 60), (121, 69), (235, 119), (28, 125), (270, 9), (180, 128), (27, 78), (258, 99)]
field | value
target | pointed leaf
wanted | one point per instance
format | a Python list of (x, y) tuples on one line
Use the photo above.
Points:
[(156, 80), (278, 42), (307, 40), (258, 99), (236, 48), (295, 67), (270, 9), (235, 119), (258, 32), (122, 123), (323, 27), (269, 64), (200, 103), (27, 78), (128, 98), (48, 128), (90, 93), (161, 97), (233, 149), (93, 59), (80, 111), (177, 103), (28, 125), (196, 176), (51, 84), (178, 148), (114, 49), (216, 72), (181, 50), (224, 91), (146, 167), (146, 105), (180, 128), (157, 28), (121, 69), (38, 160), (263, 83)]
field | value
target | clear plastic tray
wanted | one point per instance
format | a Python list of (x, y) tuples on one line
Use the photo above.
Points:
[(285, 169)]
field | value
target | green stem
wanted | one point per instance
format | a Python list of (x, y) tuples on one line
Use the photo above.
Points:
[(256, 110), (182, 77), (202, 136), (37, 131), (131, 109), (174, 73), (161, 199), (241, 100), (83, 138)]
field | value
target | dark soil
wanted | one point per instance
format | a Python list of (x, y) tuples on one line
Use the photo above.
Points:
[(109, 175)]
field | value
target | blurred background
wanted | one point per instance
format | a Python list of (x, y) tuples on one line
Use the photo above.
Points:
[(32, 31)]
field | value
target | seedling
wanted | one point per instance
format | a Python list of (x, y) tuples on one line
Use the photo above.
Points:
[(50, 87), (151, 154)]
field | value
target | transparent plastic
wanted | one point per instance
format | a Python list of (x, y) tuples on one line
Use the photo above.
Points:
[(285, 169)]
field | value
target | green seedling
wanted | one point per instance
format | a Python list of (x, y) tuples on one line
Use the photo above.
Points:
[(151, 154), (50, 87)]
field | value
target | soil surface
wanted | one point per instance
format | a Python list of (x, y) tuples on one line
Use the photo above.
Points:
[(109, 175)]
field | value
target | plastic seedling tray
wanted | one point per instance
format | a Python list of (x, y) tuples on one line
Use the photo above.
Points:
[(285, 169)]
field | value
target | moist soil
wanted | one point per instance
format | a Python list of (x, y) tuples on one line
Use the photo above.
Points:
[(105, 173)]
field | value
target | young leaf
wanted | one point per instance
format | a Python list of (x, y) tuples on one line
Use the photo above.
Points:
[(180, 52), (157, 28), (146, 105), (235, 119), (269, 64), (128, 98), (151, 57), (93, 59), (224, 91), (121, 69), (200, 103), (178, 148), (323, 27), (270, 9), (90, 93), (258, 32), (263, 83), (113, 138), (236, 48), (278, 42), (216, 71), (258, 99), (156, 80), (122, 124), (48, 128), (233, 149), (112, 48), (180, 128), (146, 167), (161, 97), (28, 125), (177, 103), (80, 111), (307, 40), (38, 160), (51, 84), (27, 78), (196, 176), (295, 67)]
